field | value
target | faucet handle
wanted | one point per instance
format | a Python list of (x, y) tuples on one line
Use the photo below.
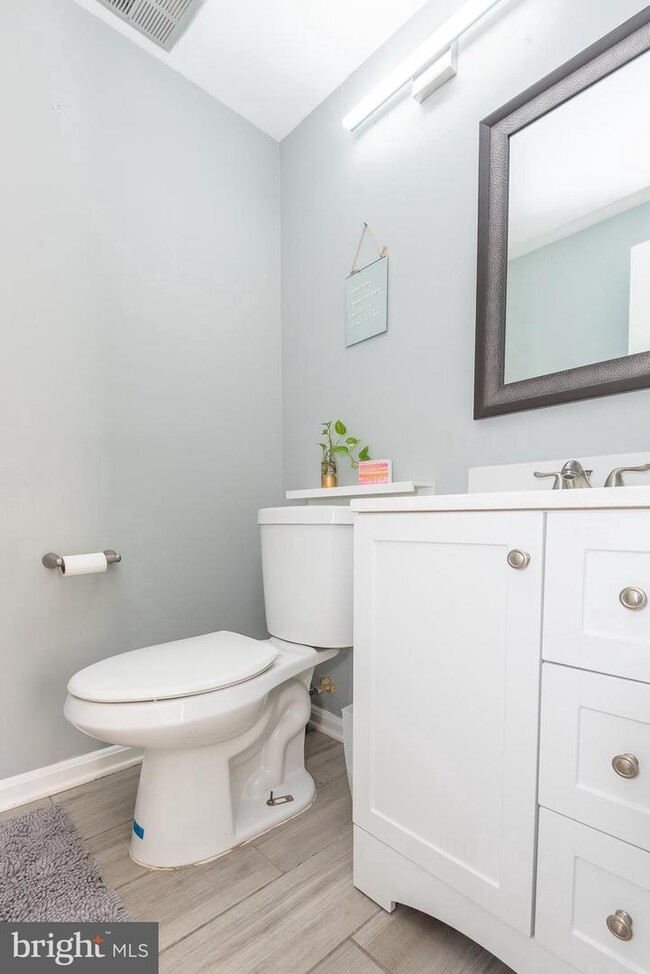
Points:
[(557, 485), (615, 478)]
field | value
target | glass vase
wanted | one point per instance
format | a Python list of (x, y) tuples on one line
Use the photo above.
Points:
[(328, 471)]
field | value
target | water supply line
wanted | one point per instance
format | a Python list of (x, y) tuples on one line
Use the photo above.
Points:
[(325, 685)]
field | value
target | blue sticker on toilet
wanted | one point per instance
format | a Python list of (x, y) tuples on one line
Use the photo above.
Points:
[(138, 829)]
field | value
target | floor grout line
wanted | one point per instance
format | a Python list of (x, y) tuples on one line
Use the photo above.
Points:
[(270, 861), (350, 939), (329, 954), (362, 925), (321, 848), (232, 906), (128, 882), (97, 835), (363, 950)]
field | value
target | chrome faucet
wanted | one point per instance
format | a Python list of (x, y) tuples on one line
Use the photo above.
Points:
[(572, 476)]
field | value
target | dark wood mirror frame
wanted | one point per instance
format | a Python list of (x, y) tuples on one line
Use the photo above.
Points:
[(491, 395)]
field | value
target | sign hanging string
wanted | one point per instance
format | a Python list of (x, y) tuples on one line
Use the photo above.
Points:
[(382, 251)]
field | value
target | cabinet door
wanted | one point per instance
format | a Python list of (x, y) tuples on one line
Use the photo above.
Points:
[(595, 562), (446, 700)]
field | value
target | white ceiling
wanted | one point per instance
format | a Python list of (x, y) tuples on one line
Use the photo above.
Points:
[(583, 162), (274, 61)]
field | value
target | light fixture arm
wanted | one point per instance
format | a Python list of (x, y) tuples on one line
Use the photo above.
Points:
[(437, 45)]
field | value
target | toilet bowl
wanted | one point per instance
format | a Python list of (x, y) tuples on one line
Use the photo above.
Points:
[(221, 717)]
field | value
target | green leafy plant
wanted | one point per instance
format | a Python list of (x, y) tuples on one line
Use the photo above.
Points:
[(341, 444)]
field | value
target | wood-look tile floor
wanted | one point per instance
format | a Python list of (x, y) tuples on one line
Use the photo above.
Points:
[(283, 904)]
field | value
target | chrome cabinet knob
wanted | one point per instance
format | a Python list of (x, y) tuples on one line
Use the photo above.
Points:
[(633, 598), (518, 559), (620, 924), (626, 765)]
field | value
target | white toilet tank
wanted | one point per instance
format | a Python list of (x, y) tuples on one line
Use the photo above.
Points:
[(307, 572)]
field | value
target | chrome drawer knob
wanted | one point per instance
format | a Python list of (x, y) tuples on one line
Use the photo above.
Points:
[(633, 598), (626, 765), (620, 924), (518, 559)]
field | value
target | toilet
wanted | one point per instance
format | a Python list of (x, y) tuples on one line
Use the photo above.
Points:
[(221, 717)]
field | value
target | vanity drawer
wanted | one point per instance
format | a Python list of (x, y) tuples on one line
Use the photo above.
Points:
[(584, 878), (595, 562), (590, 723)]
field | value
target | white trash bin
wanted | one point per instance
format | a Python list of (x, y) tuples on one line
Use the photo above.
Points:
[(346, 713)]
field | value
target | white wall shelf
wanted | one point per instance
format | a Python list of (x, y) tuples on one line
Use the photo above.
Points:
[(359, 490)]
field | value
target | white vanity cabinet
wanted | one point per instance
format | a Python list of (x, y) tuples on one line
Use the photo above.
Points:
[(480, 619)]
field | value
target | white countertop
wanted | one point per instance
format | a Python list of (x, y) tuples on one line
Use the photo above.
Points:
[(621, 498)]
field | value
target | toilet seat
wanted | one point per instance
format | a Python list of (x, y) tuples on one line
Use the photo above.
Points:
[(182, 668)]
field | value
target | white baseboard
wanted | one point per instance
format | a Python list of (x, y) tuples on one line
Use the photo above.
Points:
[(42, 782), (326, 723)]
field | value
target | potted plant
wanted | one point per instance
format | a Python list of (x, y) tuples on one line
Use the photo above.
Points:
[(343, 446)]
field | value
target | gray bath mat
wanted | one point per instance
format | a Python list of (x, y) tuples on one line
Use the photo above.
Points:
[(46, 874)]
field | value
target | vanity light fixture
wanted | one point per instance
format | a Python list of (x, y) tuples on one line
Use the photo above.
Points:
[(429, 67)]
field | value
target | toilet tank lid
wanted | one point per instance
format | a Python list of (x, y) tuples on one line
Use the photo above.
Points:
[(177, 669), (306, 514)]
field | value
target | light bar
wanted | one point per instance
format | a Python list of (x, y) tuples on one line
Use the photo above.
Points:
[(437, 45)]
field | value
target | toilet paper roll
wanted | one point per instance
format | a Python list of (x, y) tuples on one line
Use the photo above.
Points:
[(84, 564)]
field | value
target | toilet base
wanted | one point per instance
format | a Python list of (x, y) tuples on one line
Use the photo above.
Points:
[(197, 803), (253, 817)]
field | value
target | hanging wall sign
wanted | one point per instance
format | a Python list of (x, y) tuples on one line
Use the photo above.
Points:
[(366, 298)]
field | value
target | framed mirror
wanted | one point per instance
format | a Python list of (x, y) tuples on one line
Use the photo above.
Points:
[(563, 289)]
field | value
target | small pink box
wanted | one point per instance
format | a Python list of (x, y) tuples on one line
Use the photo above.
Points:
[(375, 472)]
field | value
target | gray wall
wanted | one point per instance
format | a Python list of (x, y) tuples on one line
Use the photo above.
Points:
[(569, 302), (413, 177), (140, 360)]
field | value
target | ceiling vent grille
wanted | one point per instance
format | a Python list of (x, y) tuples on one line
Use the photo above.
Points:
[(161, 21)]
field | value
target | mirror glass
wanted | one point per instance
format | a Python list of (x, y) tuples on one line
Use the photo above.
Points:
[(578, 288)]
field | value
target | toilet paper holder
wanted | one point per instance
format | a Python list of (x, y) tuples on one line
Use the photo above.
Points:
[(52, 560)]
